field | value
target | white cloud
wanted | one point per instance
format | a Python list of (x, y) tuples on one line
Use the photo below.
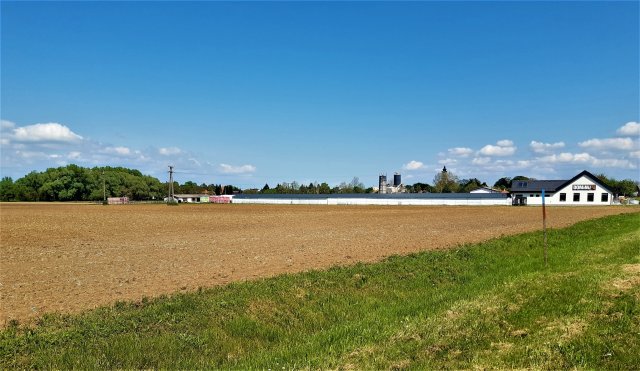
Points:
[(587, 159), (505, 143), (566, 157), (169, 151), (630, 129), (50, 132), (609, 143), (539, 147), (460, 151), (244, 169), (413, 165), (74, 155), (122, 151), (481, 160), (614, 162), (504, 147), (635, 154), (448, 161), (4, 124)]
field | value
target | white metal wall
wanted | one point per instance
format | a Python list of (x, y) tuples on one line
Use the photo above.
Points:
[(374, 201)]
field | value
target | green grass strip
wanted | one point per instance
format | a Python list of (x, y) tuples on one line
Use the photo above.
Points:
[(489, 305)]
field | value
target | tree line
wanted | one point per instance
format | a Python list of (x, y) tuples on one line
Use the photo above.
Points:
[(354, 186), (75, 183)]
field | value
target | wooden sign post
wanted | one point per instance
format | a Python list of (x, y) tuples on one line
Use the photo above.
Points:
[(544, 228)]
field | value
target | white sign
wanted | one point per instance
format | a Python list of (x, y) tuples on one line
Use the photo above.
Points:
[(584, 187)]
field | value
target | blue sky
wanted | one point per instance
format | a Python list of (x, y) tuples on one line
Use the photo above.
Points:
[(247, 93)]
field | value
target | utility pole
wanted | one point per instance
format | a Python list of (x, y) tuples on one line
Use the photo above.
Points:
[(170, 183)]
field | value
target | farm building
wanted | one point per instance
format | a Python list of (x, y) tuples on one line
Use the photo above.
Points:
[(582, 189), (118, 200), (201, 198), (191, 198), (486, 190), (376, 199)]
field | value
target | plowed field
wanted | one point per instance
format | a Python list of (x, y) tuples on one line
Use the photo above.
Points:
[(72, 257)]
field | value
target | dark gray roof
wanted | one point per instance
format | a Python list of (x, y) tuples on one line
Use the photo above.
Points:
[(552, 185), (456, 196), (536, 185)]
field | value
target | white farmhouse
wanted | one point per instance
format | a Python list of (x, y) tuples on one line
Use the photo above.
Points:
[(582, 189)]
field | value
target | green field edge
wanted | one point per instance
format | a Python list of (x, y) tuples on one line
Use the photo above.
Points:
[(487, 305)]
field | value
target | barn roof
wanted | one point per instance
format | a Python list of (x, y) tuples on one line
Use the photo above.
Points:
[(552, 185), (460, 196)]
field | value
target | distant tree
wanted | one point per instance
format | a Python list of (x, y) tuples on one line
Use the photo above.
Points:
[(520, 177), (627, 187), (190, 187), (503, 183), (324, 188), (7, 189), (266, 187), (445, 182), (468, 185), (421, 188)]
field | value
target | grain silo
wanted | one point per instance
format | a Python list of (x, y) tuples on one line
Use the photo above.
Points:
[(397, 180), (382, 184)]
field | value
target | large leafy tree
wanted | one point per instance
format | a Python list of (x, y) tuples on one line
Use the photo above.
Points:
[(7, 189), (445, 182)]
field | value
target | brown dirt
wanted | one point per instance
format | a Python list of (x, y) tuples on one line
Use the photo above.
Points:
[(72, 257)]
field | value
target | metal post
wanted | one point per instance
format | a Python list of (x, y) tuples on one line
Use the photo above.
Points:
[(170, 183), (544, 227)]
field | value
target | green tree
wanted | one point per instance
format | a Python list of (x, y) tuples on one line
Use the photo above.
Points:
[(324, 188), (468, 185), (7, 189), (445, 182), (503, 184)]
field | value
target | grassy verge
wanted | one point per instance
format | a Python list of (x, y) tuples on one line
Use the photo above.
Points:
[(488, 305)]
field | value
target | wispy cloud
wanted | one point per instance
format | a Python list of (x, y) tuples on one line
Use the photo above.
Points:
[(243, 169), (609, 143), (540, 147), (121, 151), (413, 165), (169, 151), (460, 151)]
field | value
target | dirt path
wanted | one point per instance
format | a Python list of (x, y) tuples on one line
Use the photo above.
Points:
[(71, 257)]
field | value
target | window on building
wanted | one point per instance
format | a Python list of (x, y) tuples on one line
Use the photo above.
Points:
[(589, 197), (605, 197), (563, 197), (576, 197)]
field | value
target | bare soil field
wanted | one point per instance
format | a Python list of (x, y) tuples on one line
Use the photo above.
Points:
[(72, 257)]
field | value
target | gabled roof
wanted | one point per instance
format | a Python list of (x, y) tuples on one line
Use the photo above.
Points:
[(552, 185), (592, 177), (537, 185)]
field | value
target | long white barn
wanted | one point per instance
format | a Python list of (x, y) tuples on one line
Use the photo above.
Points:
[(376, 199), (582, 189)]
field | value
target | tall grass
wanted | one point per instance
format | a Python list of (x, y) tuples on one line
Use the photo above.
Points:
[(493, 304)]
